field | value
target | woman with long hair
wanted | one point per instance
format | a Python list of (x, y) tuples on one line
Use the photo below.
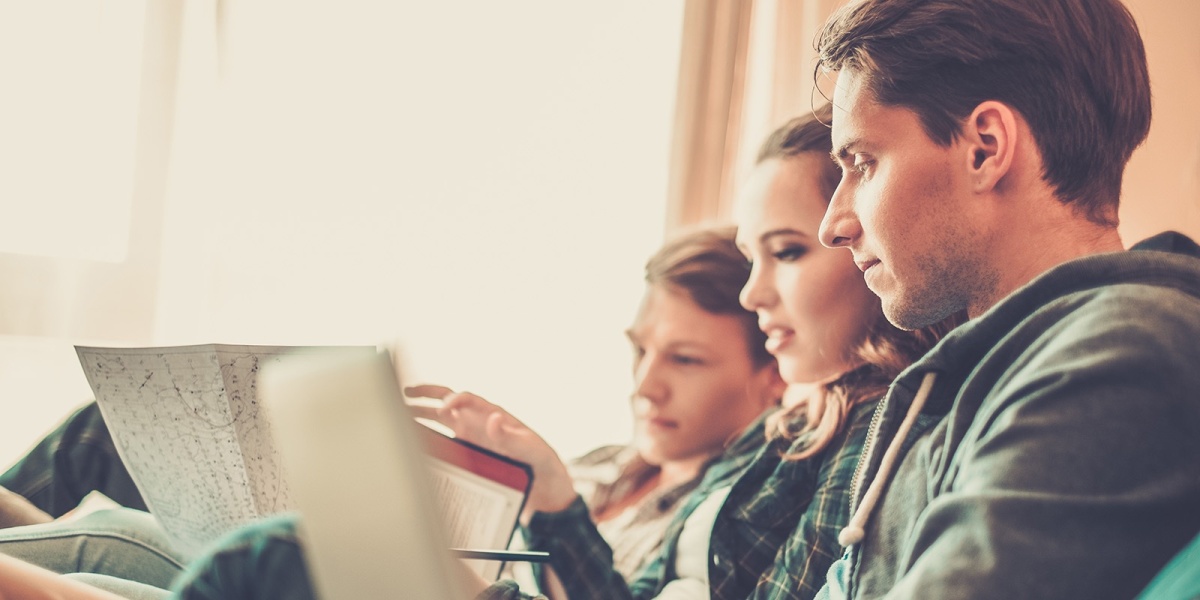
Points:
[(765, 521)]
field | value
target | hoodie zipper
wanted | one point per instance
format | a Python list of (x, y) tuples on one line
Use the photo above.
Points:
[(865, 454)]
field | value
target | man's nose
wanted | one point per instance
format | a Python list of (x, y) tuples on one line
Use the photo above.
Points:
[(840, 227)]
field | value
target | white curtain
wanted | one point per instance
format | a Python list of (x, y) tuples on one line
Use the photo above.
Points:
[(75, 74), (478, 182)]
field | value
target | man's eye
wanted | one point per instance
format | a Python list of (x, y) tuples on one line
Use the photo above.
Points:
[(687, 360), (862, 165)]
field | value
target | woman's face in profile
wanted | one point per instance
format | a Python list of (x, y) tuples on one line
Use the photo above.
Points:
[(695, 383), (811, 300)]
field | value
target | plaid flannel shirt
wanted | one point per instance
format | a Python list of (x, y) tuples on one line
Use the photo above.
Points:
[(607, 476), (773, 539)]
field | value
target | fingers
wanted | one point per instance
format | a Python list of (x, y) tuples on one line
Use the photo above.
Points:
[(440, 403), (438, 392), (468, 401), (424, 410), (450, 398), (496, 427), (464, 413)]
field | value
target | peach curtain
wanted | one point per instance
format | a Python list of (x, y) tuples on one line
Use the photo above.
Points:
[(746, 66), (708, 109)]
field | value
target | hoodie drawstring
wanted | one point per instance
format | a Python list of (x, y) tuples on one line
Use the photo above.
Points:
[(854, 532)]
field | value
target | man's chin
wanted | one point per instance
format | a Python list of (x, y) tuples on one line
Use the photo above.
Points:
[(901, 311), (912, 314)]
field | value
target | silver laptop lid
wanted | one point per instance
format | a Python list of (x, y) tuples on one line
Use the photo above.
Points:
[(357, 476)]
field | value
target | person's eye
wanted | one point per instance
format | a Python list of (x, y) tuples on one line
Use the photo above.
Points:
[(790, 253), (862, 164), (686, 360)]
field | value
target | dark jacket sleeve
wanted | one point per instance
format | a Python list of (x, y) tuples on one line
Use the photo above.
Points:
[(74, 459), (578, 553)]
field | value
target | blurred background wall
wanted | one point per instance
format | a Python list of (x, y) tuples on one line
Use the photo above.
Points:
[(477, 183)]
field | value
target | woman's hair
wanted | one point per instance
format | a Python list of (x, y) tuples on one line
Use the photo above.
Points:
[(806, 133), (706, 265), (886, 350)]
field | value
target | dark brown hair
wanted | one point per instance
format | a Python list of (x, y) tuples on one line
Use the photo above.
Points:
[(707, 265), (1074, 69), (886, 350)]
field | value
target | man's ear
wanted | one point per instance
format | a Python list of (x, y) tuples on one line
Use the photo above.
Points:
[(990, 136)]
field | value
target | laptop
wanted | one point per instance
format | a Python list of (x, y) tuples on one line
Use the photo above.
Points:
[(360, 474)]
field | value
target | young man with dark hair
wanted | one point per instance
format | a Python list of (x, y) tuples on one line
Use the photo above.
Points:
[(1050, 447)]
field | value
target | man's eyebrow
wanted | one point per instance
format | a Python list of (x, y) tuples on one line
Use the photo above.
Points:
[(841, 152)]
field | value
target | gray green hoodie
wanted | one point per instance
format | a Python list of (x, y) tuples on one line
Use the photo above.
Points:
[(1049, 448)]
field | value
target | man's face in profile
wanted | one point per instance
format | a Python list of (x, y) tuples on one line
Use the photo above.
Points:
[(904, 208)]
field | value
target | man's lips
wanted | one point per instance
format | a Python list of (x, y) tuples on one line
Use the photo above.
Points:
[(863, 265), (659, 423)]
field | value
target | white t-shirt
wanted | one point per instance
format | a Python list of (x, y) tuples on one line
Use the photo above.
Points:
[(691, 554)]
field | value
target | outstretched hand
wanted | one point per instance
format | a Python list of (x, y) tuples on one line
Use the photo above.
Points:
[(480, 422)]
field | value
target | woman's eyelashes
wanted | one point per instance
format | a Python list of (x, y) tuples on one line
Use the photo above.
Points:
[(790, 253)]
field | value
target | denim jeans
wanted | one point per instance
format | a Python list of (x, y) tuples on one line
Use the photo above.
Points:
[(126, 552), (130, 590), (121, 543)]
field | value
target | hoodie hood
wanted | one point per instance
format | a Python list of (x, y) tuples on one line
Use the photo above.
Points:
[(928, 389)]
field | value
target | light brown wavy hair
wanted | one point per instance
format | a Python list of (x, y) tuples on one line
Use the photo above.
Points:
[(705, 264), (881, 355)]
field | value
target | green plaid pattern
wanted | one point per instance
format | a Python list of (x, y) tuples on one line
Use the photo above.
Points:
[(774, 538)]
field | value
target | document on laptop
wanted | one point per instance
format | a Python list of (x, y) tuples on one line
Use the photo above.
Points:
[(480, 492), (190, 428)]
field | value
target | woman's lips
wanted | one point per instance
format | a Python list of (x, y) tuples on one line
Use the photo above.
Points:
[(778, 338)]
